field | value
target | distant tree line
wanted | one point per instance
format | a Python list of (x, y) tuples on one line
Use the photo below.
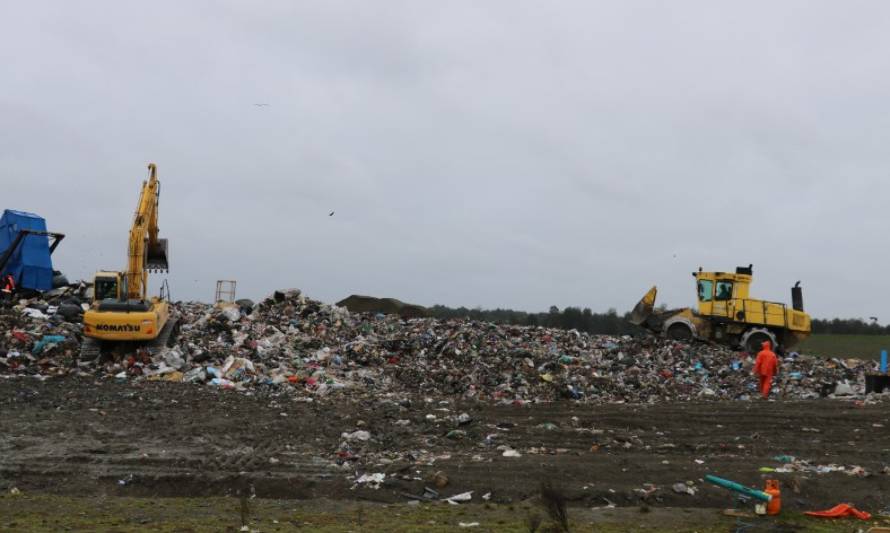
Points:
[(849, 326), (608, 323), (612, 323)]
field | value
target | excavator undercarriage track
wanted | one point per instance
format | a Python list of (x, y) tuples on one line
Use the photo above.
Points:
[(163, 339), (90, 349)]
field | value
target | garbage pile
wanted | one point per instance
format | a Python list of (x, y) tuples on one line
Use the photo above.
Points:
[(42, 335), (292, 344)]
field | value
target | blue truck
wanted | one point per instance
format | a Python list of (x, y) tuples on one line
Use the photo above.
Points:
[(26, 250)]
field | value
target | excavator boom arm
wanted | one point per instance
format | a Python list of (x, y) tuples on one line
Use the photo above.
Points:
[(146, 251)]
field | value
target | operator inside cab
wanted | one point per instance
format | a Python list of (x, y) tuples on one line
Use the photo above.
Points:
[(724, 290), (105, 289)]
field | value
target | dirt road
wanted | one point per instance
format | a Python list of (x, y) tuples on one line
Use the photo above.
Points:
[(80, 437)]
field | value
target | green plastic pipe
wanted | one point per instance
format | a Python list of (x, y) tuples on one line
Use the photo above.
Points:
[(732, 485)]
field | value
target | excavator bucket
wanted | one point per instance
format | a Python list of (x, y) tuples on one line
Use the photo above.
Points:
[(644, 308), (156, 257)]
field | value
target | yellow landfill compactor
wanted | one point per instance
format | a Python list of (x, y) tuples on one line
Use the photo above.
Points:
[(727, 315), (121, 314)]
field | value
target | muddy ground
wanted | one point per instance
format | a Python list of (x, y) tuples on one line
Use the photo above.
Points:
[(74, 437)]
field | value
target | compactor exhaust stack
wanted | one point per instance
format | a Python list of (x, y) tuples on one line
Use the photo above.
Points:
[(797, 297)]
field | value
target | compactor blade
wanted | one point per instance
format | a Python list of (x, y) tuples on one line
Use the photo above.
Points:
[(644, 308)]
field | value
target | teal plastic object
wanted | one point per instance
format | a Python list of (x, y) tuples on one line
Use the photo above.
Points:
[(737, 487), (47, 339)]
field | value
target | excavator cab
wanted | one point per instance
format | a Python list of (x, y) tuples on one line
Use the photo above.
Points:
[(106, 286)]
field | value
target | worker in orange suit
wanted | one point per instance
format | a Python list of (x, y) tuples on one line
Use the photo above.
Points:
[(766, 366), (7, 285)]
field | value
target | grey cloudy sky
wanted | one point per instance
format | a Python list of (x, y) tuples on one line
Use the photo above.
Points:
[(499, 153)]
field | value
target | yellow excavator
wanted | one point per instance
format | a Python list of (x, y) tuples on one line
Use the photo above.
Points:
[(726, 314), (121, 314)]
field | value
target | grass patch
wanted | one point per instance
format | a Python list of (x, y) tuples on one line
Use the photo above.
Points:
[(845, 346), (40, 512)]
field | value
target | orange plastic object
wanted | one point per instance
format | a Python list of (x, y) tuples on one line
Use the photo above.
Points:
[(775, 504), (841, 510)]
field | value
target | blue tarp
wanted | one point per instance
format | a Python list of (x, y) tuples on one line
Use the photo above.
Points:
[(31, 264)]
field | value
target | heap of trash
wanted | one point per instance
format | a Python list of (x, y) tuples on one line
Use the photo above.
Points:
[(292, 344), (41, 335)]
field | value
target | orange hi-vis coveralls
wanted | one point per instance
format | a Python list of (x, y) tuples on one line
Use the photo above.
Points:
[(766, 366)]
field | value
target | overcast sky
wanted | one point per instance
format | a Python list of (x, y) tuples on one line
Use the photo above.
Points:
[(490, 153)]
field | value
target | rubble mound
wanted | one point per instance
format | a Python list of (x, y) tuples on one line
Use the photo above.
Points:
[(291, 344), (388, 306)]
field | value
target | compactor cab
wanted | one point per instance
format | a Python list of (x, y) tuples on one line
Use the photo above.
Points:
[(721, 293)]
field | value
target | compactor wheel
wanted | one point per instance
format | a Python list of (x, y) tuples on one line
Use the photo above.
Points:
[(679, 332), (753, 339)]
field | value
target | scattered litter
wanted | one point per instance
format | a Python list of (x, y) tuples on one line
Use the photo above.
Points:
[(794, 464), (738, 487), (839, 511), (440, 480), (371, 480), (683, 488), (361, 435), (460, 498)]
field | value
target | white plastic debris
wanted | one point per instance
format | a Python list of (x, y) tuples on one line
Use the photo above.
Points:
[(361, 435), (34, 313), (232, 313), (459, 498), (683, 488), (372, 480), (174, 359), (844, 389)]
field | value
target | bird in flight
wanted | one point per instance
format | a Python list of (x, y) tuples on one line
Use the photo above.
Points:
[(261, 105), (331, 214)]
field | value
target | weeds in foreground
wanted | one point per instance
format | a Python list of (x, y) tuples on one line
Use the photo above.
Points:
[(554, 502), (533, 522)]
